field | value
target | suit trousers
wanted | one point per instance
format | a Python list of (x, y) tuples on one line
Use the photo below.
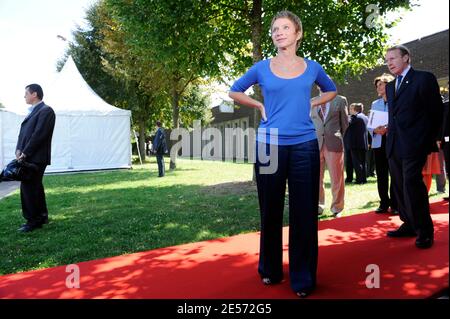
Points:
[(334, 161), (299, 165), (348, 166), (359, 164), (370, 162), (32, 195), (441, 179), (386, 193), (161, 165), (411, 192)]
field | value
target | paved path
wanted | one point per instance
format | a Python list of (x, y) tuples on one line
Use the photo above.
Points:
[(6, 188)]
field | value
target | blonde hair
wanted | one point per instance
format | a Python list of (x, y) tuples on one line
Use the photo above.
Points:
[(385, 77), (294, 19)]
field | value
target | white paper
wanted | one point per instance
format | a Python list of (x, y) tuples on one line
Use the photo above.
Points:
[(377, 118)]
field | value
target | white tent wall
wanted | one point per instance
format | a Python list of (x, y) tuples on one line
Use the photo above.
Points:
[(9, 131), (79, 142), (61, 150), (89, 134), (94, 146)]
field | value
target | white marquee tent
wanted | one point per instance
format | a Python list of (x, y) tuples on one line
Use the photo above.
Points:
[(89, 133)]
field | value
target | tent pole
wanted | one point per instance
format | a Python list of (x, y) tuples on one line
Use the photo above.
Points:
[(137, 144), (137, 141)]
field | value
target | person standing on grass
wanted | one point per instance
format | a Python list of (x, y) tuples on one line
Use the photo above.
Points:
[(331, 122), (287, 133), (415, 118), (385, 192), (159, 147), (34, 146), (357, 137)]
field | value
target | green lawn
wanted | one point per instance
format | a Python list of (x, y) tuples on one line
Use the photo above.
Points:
[(96, 215)]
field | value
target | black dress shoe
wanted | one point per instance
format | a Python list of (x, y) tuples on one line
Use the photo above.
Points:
[(424, 242), (402, 231), (28, 228), (381, 210)]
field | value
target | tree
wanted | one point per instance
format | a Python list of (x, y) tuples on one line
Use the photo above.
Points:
[(1, 106), (102, 57), (194, 106), (174, 34)]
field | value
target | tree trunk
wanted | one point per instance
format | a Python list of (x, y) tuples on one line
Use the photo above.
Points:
[(256, 23), (141, 143), (175, 119)]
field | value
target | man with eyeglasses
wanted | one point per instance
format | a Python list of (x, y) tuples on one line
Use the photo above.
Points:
[(415, 116)]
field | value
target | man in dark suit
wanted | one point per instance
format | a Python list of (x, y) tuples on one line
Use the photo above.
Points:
[(356, 136), (159, 148), (415, 117), (34, 146)]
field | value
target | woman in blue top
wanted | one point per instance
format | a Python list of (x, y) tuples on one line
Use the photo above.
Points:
[(286, 127)]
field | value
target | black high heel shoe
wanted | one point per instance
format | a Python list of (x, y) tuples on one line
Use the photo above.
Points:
[(267, 281), (304, 292)]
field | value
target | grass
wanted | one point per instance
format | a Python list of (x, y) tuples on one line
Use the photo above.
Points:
[(103, 214)]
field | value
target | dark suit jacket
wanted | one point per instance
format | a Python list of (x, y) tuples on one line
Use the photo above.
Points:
[(35, 137), (159, 143), (356, 134), (415, 115)]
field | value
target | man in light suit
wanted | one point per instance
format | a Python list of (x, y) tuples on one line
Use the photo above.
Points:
[(331, 122), (34, 146), (415, 118)]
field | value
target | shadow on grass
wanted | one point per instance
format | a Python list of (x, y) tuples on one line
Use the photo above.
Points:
[(114, 213), (109, 222)]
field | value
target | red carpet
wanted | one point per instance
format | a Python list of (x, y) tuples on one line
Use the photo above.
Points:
[(227, 268)]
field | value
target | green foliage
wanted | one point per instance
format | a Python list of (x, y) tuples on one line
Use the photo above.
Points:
[(176, 34), (335, 33), (193, 106)]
